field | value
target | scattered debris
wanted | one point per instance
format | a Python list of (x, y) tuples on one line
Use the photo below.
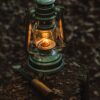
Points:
[(81, 27)]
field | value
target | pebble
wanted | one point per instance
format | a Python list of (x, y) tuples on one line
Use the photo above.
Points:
[(69, 38), (7, 27), (97, 61), (60, 83), (6, 46), (67, 82), (90, 30), (69, 71), (83, 40), (89, 24), (90, 35), (16, 66), (96, 93), (76, 64), (97, 75), (13, 90)]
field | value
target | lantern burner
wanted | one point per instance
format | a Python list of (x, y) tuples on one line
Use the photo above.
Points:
[(45, 44)]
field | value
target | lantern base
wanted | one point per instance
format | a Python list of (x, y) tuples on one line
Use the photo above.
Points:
[(46, 67)]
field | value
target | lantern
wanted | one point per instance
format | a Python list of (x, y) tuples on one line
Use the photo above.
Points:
[(45, 39)]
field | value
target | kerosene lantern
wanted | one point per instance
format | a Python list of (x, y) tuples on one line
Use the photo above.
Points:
[(45, 37)]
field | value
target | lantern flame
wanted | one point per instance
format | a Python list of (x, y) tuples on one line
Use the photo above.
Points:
[(45, 44)]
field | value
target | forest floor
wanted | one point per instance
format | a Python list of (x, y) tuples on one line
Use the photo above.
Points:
[(81, 55)]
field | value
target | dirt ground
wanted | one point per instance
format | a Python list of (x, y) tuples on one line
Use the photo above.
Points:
[(80, 77)]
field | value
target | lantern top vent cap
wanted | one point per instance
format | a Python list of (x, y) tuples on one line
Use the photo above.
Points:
[(45, 2)]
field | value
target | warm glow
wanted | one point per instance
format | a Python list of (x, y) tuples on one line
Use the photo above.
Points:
[(61, 28), (29, 34), (45, 34), (45, 44), (61, 31)]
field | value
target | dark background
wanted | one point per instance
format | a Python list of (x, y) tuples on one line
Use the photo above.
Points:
[(82, 52)]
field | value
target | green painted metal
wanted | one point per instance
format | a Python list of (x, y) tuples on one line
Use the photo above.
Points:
[(45, 19), (45, 2), (47, 71), (46, 59), (44, 67), (45, 13), (48, 8)]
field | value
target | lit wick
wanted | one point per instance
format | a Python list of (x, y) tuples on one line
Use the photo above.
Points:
[(45, 43)]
